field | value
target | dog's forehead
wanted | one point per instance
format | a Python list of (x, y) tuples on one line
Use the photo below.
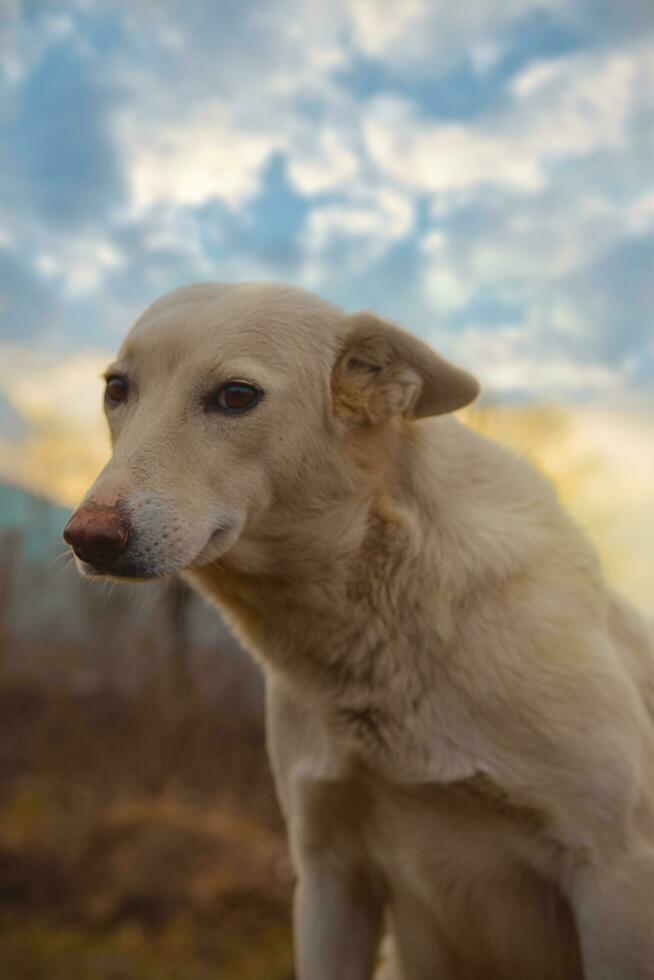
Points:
[(259, 322)]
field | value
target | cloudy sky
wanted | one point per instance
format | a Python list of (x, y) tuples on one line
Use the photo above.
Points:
[(480, 171)]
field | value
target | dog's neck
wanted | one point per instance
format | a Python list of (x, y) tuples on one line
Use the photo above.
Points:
[(321, 624), (352, 529), (328, 582)]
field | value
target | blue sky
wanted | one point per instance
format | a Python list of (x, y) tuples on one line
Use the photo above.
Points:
[(481, 172)]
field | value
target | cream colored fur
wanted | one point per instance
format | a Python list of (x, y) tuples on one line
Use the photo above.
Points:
[(460, 712)]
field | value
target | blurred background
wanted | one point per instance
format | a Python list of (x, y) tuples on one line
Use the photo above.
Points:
[(482, 173)]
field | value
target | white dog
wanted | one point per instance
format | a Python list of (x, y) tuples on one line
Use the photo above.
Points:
[(461, 713)]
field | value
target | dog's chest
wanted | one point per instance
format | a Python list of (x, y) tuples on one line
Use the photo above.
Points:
[(383, 696), (424, 834), (462, 860), (405, 722), (407, 743)]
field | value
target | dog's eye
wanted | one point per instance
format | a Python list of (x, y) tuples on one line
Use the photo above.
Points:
[(234, 398), (116, 390)]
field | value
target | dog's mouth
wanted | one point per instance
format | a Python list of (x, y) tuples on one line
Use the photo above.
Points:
[(221, 531), (141, 563), (123, 570), (220, 540)]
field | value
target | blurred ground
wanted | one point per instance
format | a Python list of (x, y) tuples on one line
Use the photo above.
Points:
[(139, 833), (119, 858)]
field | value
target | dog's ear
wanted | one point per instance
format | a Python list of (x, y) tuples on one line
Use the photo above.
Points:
[(384, 371)]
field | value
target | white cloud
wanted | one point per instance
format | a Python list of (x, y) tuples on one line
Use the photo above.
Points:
[(361, 229), (549, 238), (639, 214), (188, 149), (324, 163), (443, 288), (537, 254), (511, 360), (433, 33), (445, 291), (202, 156), (379, 26), (80, 264), (558, 111), (22, 43), (237, 99), (578, 104), (436, 157)]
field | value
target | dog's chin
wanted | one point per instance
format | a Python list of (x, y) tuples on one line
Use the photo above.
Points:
[(123, 571)]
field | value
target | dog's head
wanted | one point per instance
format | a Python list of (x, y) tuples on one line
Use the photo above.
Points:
[(228, 405)]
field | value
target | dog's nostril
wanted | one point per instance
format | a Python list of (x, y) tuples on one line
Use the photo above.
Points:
[(97, 535)]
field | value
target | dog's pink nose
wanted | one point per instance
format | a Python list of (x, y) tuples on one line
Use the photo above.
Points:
[(97, 535)]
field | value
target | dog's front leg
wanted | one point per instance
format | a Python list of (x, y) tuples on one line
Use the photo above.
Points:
[(614, 907), (337, 920)]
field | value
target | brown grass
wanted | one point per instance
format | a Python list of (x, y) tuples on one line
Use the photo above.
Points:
[(139, 833)]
